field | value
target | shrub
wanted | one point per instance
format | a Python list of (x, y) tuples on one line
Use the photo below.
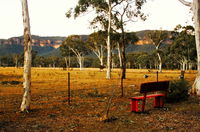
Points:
[(178, 91)]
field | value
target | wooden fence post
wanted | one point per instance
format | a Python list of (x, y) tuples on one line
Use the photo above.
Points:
[(157, 76), (68, 88)]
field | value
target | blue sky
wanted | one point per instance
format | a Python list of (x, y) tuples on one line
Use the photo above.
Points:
[(47, 17)]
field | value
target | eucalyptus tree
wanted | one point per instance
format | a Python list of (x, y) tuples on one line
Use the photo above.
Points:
[(25, 105), (77, 46), (127, 11), (195, 6), (143, 61), (53, 61), (183, 47), (40, 61), (130, 38), (103, 9), (16, 58), (67, 54), (97, 43), (106, 17), (157, 37)]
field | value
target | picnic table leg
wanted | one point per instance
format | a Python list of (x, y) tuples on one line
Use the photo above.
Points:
[(162, 101), (134, 105), (143, 102), (159, 101)]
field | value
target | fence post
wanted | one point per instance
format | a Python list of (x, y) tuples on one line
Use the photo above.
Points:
[(122, 88), (157, 76), (68, 88)]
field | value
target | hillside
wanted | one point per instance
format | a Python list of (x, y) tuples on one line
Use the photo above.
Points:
[(18, 49), (49, 46), (37, 41)]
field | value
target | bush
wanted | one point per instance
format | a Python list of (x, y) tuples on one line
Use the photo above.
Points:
[(178, 91)]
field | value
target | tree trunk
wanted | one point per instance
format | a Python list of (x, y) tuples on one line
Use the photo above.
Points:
[(123, 68), (101, 61), (184, 65), (16, 62), (119, 54), (108, 73), (25, 105), (160, 60), (66, 63), (81, 61), (101, 55), (196, 10), (69, 59)]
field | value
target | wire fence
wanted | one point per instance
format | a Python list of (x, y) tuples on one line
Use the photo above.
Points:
[(50, 86)]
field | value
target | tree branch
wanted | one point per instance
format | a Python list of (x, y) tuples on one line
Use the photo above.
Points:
[(186, 3), (117, 3)]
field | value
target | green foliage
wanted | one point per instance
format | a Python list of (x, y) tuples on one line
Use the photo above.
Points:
[(75, 44), (178, 91), (96, 41), (122, 11), (183, 46)]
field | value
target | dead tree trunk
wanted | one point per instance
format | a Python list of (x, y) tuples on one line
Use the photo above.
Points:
[(25, 105)]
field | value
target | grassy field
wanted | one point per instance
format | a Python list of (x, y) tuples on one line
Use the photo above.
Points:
[(90, 93)]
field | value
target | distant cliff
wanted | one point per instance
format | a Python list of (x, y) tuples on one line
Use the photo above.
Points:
[(48, 46), (144, 41), (57, 41), (37, 41)]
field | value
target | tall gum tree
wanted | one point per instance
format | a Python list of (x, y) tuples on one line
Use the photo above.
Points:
[(195, 6), (97, 44), (101, 7), (104, 17), (126, 12), (108, 73), (77, 46), (25, 105), (183, 48)]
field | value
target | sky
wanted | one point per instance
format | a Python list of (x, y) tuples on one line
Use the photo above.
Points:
[(47, 17)]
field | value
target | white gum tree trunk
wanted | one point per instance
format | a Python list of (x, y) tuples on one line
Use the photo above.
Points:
[(25, 105), (108, 73), (159, 58), (81, 61), (196, 12), (100, 54)]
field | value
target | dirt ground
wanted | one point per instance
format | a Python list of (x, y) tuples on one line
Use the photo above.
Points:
[(90, 93)]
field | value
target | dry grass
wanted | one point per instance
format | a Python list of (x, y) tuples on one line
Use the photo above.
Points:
[(90, 94)]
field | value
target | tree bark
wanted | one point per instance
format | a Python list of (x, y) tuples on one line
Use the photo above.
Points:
[(101, 55), (79, 57), (123, 68), (81, 61), (108, 73), (119, 54), (25, 105), (196, 10), (160, 60), (66, 62)]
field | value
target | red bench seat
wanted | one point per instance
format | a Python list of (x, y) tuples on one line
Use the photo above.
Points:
[(150, 87)]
